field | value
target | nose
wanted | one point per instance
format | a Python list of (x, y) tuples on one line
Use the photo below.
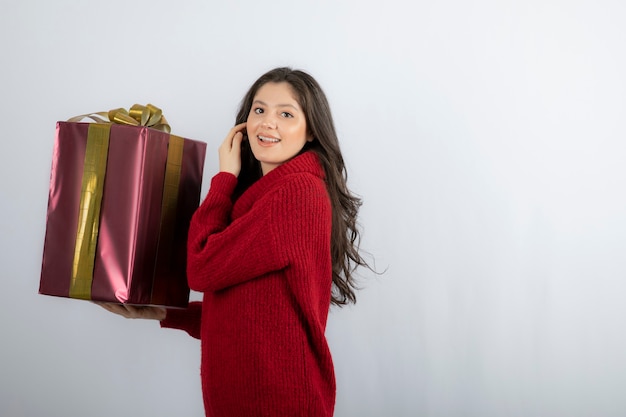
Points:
[(269, 121)]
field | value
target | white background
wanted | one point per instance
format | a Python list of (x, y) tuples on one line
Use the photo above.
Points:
[(485, 137)]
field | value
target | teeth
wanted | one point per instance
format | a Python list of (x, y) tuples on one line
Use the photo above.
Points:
[(273, 140)]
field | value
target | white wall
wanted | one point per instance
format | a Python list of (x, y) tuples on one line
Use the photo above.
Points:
[(485, 137)]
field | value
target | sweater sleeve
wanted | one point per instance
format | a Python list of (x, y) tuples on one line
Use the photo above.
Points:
[(187, 319), (221, 254)]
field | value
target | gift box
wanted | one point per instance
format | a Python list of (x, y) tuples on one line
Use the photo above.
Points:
[(120, 201)]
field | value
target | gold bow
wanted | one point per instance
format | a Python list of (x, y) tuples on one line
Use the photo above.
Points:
[(138, 115)]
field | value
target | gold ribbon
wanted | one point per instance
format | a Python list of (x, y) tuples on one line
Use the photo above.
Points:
[(94, 172), (170, 187), (169, 204)]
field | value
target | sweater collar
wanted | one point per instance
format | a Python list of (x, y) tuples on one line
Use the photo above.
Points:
[(305, 163)]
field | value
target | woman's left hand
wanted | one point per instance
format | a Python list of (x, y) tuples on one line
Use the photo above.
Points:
[(135, 312)]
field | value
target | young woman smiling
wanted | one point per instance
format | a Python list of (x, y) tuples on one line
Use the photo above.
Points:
[(272, 245)]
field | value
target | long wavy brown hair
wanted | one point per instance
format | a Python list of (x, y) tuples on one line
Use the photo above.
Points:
[(345, 236)]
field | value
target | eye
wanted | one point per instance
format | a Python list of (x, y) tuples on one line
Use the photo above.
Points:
[(286, 114), (258, 110)]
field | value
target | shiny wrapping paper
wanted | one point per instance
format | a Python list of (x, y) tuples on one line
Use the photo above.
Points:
[(139, 254)]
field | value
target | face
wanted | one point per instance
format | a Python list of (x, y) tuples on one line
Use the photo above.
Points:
[(276, 125)]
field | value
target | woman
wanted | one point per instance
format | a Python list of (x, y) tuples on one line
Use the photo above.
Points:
[(271, 247)]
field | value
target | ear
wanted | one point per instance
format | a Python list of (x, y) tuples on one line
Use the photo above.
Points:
[(309, 137)]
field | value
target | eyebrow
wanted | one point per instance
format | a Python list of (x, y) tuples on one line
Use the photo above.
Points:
[(278, 105)]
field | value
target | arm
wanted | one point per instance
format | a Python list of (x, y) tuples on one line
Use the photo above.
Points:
[(220, 254), (275, 233)]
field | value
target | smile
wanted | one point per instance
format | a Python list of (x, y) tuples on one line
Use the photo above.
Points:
[(268, 140)]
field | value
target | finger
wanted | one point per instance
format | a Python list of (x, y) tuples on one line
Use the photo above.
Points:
[(233, 132), (120, 309), (228, 142), (106, 306), (237, 139), (240, 127), (138, 312), (131, 310), (114, 308)]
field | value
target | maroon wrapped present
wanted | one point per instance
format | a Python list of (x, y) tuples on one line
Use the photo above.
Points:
[(121, 198)]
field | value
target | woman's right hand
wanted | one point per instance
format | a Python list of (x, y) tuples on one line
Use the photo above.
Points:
[(230, 150), (135, 312)]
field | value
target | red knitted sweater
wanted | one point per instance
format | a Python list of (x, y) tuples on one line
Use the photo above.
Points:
[(264, 266)]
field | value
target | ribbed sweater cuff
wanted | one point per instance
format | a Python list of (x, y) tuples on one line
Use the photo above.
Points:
[(187, 319), (223, 183)]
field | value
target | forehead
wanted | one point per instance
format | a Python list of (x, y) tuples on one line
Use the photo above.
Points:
[(277, 93)]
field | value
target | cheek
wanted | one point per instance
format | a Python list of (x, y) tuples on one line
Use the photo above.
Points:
[(251, 124), (303, 133)]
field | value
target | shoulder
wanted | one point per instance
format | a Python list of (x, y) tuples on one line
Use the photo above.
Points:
[(303, 184), (302, 196)]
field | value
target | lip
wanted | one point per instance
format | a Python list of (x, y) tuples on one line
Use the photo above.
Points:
[(267, 143)]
